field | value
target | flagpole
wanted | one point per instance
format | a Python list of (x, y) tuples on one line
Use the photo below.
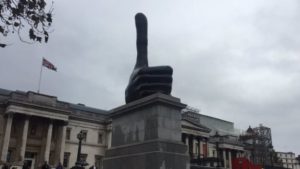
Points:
[(40, 77)]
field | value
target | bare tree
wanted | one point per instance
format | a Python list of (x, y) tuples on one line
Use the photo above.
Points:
[(25, 15)]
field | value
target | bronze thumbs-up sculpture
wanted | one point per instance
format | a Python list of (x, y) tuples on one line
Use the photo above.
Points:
[(146, 80)]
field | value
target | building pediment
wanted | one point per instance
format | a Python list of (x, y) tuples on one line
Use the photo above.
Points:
[(231, 146), (189, 127), (37, 110)]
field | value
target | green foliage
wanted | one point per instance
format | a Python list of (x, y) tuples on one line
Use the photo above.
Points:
[(29, 15)]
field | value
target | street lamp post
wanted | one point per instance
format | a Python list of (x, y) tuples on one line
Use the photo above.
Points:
[(218, 154), (79, 163)]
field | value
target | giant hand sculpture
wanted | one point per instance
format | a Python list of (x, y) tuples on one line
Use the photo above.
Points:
[(146, 80)]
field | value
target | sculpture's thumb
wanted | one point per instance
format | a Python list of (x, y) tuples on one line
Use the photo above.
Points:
[(141, 40)]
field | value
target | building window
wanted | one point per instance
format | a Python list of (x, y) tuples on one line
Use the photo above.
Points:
[(197, 149), (68, 134), (98, 161), (84, 134), (100, 138), (66, 159), (29, 155), (9, 155)]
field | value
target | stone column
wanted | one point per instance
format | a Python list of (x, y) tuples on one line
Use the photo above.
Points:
[(24, 139), (195, 142), (192, 147), (187, 142), (60, 144), (199, 148), (6, 137), (63, 141), (207, 150), (109, 139), (48, 142), (229, 159), (224, 158), (108, 136)]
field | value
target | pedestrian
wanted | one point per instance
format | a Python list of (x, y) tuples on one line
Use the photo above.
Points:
[(93, 167), (5, 166), (25, 165), (45, 165), (59, 166)]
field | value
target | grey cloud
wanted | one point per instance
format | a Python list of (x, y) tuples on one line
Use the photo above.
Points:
[(235, 60)]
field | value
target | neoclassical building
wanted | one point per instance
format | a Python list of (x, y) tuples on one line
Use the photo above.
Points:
[(211, 141), (35, 128)]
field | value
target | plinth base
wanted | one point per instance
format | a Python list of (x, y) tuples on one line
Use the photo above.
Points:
[(146, 134), (148, 155)]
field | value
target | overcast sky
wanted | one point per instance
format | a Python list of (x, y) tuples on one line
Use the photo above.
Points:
[(235, 60)]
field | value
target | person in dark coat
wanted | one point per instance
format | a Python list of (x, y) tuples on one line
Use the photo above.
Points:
[(5, 166), (59, 166), (45, 165), (25, 165), (93, 167)]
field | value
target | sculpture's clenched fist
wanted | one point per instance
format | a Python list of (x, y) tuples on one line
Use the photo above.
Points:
[(146, 80)]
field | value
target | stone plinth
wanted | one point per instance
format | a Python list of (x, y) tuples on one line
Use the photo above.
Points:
[(146, 134)]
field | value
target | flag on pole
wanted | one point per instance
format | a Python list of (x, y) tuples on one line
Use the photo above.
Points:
[(48, 64)]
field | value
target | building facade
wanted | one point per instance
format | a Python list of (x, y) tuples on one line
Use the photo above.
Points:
[(211, 141), (288, 160), (36, 128)]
